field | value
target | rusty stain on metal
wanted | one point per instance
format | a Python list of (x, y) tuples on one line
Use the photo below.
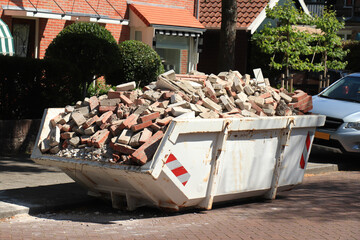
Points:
[(206, 178), (88, 178)]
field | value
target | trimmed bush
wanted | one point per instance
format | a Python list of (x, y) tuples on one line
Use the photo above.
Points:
[(139, 63), (28, 86), (88, 46)]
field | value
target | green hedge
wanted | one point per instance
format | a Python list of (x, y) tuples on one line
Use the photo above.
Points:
[(139, 63), (28, 86), (88, 46)]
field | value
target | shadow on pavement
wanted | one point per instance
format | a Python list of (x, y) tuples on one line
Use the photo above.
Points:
[(43, 198), (21, 164), (329, 155), (320, 200)]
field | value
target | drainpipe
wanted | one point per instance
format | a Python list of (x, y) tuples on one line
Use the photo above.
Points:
[(197, 9)]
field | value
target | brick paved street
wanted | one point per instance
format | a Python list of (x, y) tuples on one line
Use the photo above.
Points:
[(325, 206)]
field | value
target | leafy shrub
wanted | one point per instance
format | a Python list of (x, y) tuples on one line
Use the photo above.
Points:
[(99, 87), (88, 46), (38, 84), (353, 56), (139, 63)]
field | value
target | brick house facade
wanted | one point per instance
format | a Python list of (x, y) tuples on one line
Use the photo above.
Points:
[(35, 23)]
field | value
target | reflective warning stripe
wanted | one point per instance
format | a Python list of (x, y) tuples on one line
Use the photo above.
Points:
[(177, 169), (305, 151)]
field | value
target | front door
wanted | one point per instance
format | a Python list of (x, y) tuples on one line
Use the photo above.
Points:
[(23, 31)]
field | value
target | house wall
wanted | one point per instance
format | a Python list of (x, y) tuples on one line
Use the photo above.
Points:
[(49, 28), (136, 24)]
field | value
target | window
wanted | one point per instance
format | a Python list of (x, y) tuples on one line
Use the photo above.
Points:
[(138, 35), (23, 32), (348, 3), (171, 51)]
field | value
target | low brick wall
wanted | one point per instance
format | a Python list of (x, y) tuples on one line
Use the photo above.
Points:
[(18, 136)]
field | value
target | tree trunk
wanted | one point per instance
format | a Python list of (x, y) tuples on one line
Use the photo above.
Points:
[(325, 65), (228, 35)]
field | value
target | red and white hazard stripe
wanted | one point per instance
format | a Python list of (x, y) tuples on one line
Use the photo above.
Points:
[(305, 151), (177, 169)]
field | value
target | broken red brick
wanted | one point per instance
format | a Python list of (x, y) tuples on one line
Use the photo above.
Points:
[(105, 125), (140, 126), (167, 95), (114, 94), (126, 100), (115, 130), (101, 138), (256, 107), (103, 109), (155, 127), (230, 91), (139, 101), (116, 157), (164, 121), (145, 135), (299, 96), (265, 95), (146, 151), (66, 128), (90, 121), (150, 117), (305, 100), (94, 102), (104, 117), (85, 139), (67, 135), (122, 148), (65, 144), (184, 96), (155, 104), (56, 119), (129, 121)]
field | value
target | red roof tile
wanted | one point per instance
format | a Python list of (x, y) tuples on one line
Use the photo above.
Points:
[(165, 16), (247, 12)]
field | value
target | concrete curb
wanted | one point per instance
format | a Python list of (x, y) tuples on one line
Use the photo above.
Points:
[(319, 168), (33, 200)]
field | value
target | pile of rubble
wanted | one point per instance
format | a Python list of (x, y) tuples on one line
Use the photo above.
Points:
[(125, 126)]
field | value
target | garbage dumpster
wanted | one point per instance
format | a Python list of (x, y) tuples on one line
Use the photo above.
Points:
[(200, 162)]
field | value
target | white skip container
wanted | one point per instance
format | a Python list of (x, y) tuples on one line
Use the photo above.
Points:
[(200, 162)]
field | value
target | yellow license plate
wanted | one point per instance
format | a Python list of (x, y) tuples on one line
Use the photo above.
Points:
[(322, 135)]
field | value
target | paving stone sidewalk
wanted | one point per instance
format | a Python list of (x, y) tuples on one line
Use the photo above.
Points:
[(24, 185), (27, 187), (325, 206)]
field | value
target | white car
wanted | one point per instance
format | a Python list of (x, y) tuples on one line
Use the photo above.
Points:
[(340, 103)]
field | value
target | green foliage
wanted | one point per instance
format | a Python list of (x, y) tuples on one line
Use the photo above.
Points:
[(284, 43), (98, 88), (88, 46), (353, 56), (38, 84), (293, 49), (329, 44), (139, 63)]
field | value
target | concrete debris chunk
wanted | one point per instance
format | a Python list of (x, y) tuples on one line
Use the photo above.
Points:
[(126, 86)]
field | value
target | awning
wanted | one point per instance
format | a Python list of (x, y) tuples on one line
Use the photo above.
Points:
[(164, 18), (6, 40)]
